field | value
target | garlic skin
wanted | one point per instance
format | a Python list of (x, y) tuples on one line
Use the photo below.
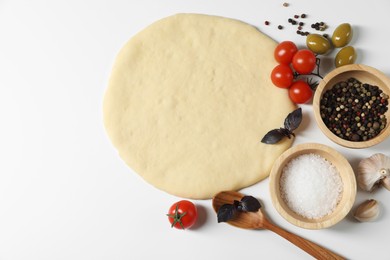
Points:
[(372, 171), (367, 211)]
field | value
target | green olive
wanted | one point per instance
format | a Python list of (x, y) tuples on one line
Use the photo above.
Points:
[(317, 43), (342, 35), (346, 55)]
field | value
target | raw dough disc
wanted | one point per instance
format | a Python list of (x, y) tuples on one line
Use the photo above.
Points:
[(188, 102)]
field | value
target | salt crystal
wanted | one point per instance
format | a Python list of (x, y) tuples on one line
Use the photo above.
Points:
[(311, 186)]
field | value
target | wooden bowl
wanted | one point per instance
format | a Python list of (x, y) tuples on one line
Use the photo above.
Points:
[(347, 176), (364, 74)]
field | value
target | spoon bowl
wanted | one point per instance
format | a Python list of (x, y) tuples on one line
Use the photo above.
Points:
[(258, 220), (246, 220)]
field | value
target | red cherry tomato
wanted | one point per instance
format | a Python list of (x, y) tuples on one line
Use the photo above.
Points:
[(300, 92), (285, 51), (304, 61), (282, 76), (182, 214)]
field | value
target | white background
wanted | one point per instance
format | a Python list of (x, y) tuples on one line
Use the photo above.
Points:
[(65, 193)]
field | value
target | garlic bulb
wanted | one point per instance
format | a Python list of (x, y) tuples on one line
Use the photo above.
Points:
[(367, 211), (374, 170)]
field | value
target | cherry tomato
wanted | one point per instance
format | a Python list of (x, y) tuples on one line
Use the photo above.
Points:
[(304, 61), (282, 76), (285, 51), (182, 214), (300, 92)]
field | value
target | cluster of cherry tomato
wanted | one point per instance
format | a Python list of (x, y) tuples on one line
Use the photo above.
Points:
[(291, 59)]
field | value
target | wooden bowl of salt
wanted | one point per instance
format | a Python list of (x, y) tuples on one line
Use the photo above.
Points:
[(312, 186)]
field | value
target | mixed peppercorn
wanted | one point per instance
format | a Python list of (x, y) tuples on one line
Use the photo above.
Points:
[(353, 110)]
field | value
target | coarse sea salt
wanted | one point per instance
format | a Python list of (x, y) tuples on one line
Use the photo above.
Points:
[(311, 186)]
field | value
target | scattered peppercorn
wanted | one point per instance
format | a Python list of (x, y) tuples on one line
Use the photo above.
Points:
[(319, 26), (285, 4), (353, 110)]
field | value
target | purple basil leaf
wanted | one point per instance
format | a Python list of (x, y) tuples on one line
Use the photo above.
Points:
[(249, 204), (293, 120), (226, 212), (273, 136)]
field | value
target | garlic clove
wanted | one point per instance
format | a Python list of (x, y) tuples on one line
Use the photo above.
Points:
[(372, 170), (386, 183), (367, 211)]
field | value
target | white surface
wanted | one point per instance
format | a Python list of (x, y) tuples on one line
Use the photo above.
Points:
[(64, 192)]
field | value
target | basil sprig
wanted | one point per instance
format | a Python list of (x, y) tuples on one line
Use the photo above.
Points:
[(246, 204), (292, 121)]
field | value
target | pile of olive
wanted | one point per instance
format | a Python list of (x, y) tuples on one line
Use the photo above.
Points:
[(342, 35)]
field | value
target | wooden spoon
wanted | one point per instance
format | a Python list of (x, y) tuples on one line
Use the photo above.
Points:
[(257, 220)]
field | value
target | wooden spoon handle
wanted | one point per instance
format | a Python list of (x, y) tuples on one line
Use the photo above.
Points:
[(311, 248)]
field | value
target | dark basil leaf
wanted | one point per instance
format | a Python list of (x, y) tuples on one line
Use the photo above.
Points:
[(273, 136), (249, 204), (226, 212), (286, 132), (293, 120)]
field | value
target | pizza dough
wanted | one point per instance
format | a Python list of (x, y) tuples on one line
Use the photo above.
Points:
[(188, 102)]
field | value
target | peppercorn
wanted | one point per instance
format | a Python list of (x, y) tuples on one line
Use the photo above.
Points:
[(280, 27), (266, 22), (303, 15), (351, 114)]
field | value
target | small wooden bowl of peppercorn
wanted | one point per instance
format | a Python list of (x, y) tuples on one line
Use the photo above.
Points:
[(312, 186), (351, 106)]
